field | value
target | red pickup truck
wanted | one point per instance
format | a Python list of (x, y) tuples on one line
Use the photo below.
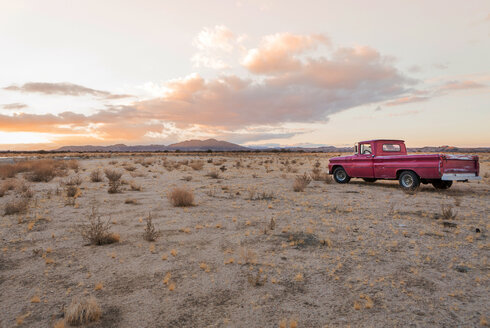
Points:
[(388, 159)]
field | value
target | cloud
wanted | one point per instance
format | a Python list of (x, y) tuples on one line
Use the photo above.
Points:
[(14, 106), (441, 90), (459, 85), (277, 52), (293, 79), (406, 100), (212, 45), (63, 88)]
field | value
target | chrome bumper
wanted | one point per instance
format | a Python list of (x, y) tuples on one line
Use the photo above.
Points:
[(460, 176)]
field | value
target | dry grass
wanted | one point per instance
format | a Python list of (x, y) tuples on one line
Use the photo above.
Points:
[(447, 213), (81, 312), (96, 231), (181, 197), (45, 170), (135, 186), (150, 233), (114, 178), (96, 175), (301, 182), (73, 164), (197, 165), (214, 174), (17, 206)]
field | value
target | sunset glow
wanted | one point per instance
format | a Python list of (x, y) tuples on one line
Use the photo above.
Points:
[(249, 72)]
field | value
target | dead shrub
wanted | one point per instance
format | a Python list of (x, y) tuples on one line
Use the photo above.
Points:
[(114, 178), (45, 170), (213, 174), (150, 233), (197, 165), (73, 181), (71, 191), (447, 213), (96, 231), (130, 168), (187, 178), (301, 182), (81, 312), (73, 164), (96, 175), (248, 256), (257, 279), (181, 197), (135, 186), (253, 194), (16, 206), (131, 201)]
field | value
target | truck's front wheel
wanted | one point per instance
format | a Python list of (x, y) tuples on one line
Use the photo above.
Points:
[(340, 176), (442, 184), (409, 181)]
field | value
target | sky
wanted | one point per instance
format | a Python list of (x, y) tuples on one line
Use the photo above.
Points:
[(278, 73)]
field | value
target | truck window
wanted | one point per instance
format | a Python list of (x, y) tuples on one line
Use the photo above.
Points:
[(391, 147), (355, 149), (366, 149)]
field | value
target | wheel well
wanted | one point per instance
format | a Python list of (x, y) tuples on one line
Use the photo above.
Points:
[(399, 172)]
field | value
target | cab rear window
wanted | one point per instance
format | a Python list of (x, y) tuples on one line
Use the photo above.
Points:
[(391, 147)]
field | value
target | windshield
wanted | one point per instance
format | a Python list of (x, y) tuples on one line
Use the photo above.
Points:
[(355, 149)]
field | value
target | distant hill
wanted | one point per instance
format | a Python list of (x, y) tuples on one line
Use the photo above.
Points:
[(219, 145), (203, 145), (189, 145)]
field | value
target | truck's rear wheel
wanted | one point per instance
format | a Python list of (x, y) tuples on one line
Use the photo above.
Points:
[(340, 176), (442, 184), (369, 179), (409, 181)]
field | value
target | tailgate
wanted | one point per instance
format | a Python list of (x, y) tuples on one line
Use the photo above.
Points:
[(459, 165)]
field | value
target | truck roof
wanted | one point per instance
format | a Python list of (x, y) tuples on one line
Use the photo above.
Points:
[(374, 140)]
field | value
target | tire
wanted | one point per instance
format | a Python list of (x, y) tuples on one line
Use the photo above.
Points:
[(409, 181), (340, 176), (442, 184), (369, 179)]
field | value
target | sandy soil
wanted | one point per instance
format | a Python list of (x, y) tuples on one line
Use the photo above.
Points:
[(358, 254)]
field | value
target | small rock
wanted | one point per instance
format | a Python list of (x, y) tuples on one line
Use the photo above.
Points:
[(462, 268)]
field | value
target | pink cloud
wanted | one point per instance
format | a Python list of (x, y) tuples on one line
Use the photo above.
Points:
[(277, 52)]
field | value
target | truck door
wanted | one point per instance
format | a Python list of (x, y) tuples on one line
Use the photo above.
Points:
[(362, 163)]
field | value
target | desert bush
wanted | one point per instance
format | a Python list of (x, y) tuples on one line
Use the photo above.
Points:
[(71, 191), (45, 170), (16, 206), (150, 233), (257, 279), (96, 175), (81, 312), (248, 256), (253, 194), (301, 182), (213, 174), (130, 168), (187, 178), (197, 165), (96, 231), (114, 178), (135, 186), (131, 201), (181, 197), (447, 212), (73, 164), (73, 181)]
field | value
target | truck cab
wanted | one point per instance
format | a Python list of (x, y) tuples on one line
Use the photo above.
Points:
[(388, 159)]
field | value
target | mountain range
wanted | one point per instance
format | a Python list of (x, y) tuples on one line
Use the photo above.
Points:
[(218, 145)]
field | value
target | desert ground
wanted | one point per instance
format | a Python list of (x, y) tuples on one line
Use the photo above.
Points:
[(249, 252)]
